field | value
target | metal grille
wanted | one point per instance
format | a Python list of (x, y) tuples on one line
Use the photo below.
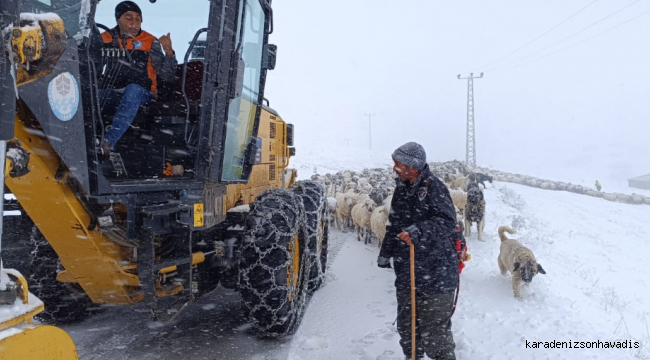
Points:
[(273, 132), (272, 172), (272, 158)]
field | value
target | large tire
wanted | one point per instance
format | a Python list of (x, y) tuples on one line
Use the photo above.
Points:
[(317, 229), (64, 303), (273, 267)]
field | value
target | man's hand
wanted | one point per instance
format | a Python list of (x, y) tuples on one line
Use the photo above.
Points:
[(166, 43), (405, 237), (383, 262)]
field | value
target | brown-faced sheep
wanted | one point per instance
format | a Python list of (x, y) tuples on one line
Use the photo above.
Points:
[(361, 218)]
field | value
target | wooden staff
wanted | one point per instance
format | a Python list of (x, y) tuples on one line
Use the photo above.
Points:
[(404, 236), (412, 248)]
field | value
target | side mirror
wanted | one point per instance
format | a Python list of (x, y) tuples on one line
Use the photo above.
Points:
[(270, 53)]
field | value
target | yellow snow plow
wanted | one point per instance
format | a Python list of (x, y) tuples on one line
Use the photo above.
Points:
[(19, 337)]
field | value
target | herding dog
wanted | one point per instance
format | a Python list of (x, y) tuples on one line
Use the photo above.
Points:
[(478, 178), (517, 259), (475, 211)]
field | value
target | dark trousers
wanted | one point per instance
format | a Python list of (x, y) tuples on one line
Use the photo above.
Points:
[(432, 327)]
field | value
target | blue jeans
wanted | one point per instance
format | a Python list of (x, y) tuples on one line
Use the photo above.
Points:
[(127, 104)]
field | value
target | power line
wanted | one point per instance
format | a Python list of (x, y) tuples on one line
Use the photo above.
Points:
[(531, 41), (506, 67), (568, 37)]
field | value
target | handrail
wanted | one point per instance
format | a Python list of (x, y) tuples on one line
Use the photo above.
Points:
[(184, 78)]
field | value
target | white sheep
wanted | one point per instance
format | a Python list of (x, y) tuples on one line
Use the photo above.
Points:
[(388, 201), (547, 185), (361, 218), (349, 186), (459, 198), (378, 221), (517, 180), (344, 203), (623, 198), (458, 183), (562, 186), (609, 196), (361, 198), (637, 199), (331, 208)]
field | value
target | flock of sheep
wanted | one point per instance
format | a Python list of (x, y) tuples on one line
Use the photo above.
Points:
[(563, 186), (361, 200)]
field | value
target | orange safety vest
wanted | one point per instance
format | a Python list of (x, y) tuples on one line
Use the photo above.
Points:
[(140, 71)]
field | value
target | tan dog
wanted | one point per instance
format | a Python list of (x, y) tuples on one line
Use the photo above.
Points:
[(517, 259)]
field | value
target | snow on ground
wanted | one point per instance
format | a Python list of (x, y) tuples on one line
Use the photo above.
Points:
[(595, 288)]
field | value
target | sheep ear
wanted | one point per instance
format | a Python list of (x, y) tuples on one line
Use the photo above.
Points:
[(516, 266), (540, 269)]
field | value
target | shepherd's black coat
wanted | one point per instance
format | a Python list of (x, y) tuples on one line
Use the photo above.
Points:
[(425, 210)]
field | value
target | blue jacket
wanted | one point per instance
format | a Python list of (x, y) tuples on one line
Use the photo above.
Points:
[(424, 210)]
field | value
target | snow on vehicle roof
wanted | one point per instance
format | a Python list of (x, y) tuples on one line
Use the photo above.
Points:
[(39, 17)]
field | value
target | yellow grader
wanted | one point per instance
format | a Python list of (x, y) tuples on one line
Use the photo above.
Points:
[(197, 192)]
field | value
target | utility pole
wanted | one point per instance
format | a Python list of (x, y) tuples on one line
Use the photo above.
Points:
[(470, 148), (369, 130)]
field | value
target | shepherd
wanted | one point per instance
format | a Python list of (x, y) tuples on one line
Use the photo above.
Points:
[(422, 219)]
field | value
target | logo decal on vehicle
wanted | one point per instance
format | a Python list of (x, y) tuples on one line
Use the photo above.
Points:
[(63, 96)]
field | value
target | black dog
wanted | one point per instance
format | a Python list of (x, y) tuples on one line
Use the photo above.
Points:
[(478, 178)]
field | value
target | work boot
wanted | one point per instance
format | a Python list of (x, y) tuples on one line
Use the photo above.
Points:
[(106, 149)]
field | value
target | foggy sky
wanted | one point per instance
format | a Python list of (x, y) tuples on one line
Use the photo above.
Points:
[(338, 60)]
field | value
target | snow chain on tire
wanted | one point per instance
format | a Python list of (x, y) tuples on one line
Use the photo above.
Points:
[(273, 267), (317, 224), (64, 303)]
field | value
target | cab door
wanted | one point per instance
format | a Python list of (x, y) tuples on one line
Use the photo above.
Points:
[(239, 99)]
